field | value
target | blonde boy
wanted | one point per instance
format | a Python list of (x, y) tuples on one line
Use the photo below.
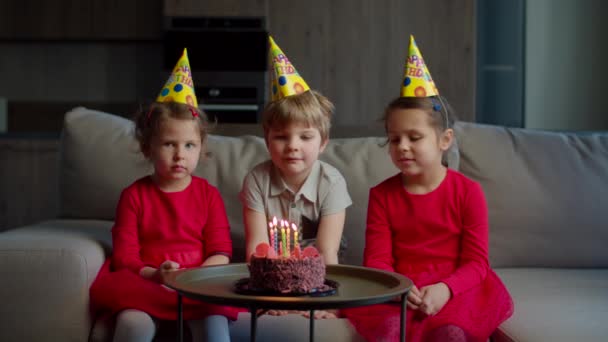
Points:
[(294, 184)]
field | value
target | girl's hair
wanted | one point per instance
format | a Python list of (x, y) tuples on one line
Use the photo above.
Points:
[(309, 107), (437, 107), (147, 122)]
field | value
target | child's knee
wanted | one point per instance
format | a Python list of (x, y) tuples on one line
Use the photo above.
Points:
[(211, 328), (134, 325)]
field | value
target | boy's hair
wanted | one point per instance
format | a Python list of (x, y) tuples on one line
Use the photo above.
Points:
[(147, 122), (437, 107), (309, 107)]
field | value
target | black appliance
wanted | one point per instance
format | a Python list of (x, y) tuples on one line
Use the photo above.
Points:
[(229, 61)]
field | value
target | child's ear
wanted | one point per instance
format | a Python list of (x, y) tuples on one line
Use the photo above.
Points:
[(446, 139), (323, 145)]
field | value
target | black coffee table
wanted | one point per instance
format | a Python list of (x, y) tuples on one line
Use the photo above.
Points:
[(358, 286)]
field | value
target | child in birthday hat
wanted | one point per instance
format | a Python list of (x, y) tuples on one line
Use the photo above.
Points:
[(429, 223), (165, 221), (294, 185)]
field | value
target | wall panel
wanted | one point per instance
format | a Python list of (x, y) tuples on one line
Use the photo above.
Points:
[(354, 51)]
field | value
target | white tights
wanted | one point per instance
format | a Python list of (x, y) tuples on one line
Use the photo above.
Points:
[(137, 326)]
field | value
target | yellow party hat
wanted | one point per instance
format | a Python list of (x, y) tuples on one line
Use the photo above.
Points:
[(417, 81), (179, 87), (284, 78)]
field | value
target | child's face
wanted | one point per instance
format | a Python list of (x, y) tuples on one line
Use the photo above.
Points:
[(415, 146), (175, 152), (294, 149)]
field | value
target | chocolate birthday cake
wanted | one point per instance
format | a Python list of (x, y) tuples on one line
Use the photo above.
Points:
[(300, 272)]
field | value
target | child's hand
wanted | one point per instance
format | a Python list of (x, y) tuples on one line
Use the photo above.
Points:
[(434, 298), (321, 314), (278, 312), (166, 266), (155, 274), (169, 265), (414, 298)]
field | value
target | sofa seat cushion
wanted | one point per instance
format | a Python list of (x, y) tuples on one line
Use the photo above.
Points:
[(46, 270), (293, 328), (556, 305)]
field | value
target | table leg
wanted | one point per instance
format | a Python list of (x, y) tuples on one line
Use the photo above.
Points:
[(254, 323), (311, 327), (403, 317), (180, 318)]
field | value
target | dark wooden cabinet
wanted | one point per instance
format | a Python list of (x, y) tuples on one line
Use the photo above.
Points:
[(36, 19), (80, 19), (127, 19), (222, 8)]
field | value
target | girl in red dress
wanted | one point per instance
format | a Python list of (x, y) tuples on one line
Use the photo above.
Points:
[(430, 223), (166, 221)]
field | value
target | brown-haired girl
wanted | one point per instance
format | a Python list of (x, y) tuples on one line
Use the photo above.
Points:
[(430, 223), (165, 221)]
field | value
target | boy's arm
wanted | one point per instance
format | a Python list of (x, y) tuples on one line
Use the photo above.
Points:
[(255, 230), (329, 235), (217, 259)]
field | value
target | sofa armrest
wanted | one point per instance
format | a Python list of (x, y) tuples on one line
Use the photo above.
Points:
[(46, 272)]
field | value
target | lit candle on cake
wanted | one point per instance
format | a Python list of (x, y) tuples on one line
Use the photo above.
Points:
[(296, 242), (288, 243), (276, 234), (270, 234), (283, 239)]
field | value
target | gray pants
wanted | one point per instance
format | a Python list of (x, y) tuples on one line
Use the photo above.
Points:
[(137, 326)]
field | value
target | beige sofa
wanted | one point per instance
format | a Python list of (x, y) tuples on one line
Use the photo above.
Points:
[(545, 192)]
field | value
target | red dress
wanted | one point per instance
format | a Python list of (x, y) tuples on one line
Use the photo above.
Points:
[(153, 226), (441, 236)]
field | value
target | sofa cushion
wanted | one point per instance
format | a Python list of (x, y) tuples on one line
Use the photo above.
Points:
[(46, 270), (556, 305), (228, 162), (99, 158), (545, 192)]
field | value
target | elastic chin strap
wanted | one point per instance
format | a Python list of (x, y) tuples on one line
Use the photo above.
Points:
[(438, 105)]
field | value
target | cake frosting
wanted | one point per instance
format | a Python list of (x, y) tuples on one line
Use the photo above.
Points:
[(301, 272)]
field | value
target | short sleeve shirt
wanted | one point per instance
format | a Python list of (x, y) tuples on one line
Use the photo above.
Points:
[(323, 193)]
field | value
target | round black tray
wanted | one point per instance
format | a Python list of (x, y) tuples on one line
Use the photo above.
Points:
[(358, 286)]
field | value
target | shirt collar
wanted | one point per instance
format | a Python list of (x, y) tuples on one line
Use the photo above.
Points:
[(308, 189)]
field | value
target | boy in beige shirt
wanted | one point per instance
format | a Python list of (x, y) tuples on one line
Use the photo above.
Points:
[(294, 185)]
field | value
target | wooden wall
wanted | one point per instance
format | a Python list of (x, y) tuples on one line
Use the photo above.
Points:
[(354, 50)]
